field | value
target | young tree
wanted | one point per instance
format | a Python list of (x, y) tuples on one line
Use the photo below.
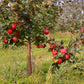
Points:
[(27, 21)]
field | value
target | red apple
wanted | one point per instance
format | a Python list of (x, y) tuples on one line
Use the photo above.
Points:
[(36, 6), (41, 46), (15, 39), (46, 31), (5, 40), (59, 61), (19, 72), (37, 46), (52, 47), (16, 15), (82, 29), (17, 33), (66, 56), (10, 31), (20, 23), (14, 26), (26, 21), (80, 41), (63, 50), (54, 52)]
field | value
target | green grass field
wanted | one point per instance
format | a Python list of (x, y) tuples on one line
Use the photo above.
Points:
[(14, 60)]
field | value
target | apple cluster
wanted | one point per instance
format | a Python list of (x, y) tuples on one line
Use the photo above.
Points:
[(12, 32), (59, 53)]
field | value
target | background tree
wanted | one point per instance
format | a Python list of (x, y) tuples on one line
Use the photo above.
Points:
[(72, 15)]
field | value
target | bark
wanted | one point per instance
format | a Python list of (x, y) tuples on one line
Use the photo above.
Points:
[(29, 57)]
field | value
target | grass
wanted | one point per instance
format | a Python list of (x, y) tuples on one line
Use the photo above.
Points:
[(12, 61)]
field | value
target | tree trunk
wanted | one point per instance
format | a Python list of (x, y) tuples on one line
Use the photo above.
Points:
[(29, 57)]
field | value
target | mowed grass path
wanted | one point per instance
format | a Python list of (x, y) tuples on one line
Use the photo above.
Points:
[(42, 59)]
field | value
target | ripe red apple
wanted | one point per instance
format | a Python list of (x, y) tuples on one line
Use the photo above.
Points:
[(52, 47), (82, 29), (17, 33), (46, 31), (26, 21), (59, 61), (10, 31), (80, 41), (20, 23), (19, 72), (16, 15), (41, 46), (36, 6), (54, 52), (37, 46), (63, 50), (5, 40), (15, 39), (66, 56), (14, 26)]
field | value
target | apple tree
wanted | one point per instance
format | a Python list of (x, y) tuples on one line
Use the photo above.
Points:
[(27, 21), (62, 54)]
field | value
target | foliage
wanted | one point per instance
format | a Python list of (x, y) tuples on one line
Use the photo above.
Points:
[(28, 17)]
